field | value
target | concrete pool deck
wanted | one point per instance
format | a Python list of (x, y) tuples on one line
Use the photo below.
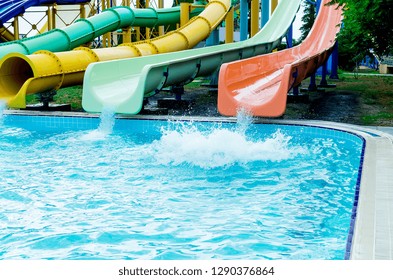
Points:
[(373, 231), (374, 226)]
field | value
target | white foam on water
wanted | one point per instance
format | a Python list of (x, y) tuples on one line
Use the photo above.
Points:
[(14, 132), (10, 131), (3, 106), (221, 147)]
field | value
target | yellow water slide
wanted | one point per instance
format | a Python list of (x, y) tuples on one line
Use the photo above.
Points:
[(44, 71)]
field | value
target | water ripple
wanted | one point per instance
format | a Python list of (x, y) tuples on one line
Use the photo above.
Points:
[(188, 194)]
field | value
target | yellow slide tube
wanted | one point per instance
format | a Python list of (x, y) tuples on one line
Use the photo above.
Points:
[(43, 71)]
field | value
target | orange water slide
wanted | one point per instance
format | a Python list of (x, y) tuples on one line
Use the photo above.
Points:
[(260, 84)]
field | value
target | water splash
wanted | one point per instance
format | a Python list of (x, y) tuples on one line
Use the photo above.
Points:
[(3, 106), (10, 131), (220, 147), (107, 121), (244, 120), (105, 128)]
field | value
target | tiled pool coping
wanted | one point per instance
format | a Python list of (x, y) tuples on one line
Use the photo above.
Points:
[(372, 225)]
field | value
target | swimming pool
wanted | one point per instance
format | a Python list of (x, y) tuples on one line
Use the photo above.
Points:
[(85, 188)]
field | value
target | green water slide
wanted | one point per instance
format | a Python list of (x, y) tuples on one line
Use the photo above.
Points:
[(121, 85), (86, 30)]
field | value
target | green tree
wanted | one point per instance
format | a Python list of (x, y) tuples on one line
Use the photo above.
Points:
[(307, 19), (367, 25)]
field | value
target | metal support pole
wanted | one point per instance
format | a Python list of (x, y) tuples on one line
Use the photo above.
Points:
[(106, 38), (295, 91), (323, 82), (184, 13), (16, 28), (51, 17), (161, 29), (265, 12), (289, 36), (127, 30), (254, 17), (137, 28), (313, 85), (229, 26), (82, 10), (213, 40), (178, 91), (147, 29), (243, 20), (274, 4), (334, 71)]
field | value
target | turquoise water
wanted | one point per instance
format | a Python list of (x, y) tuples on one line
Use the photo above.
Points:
[(78, 188)]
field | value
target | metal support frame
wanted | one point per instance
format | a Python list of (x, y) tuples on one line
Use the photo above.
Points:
[(265, 15), (184, 13), (313, 85), (16, 28), (107, 37), (229, 26), (147, 29), (274, 4), (243, 20), (213, 40), (324, 82), (334, 70), (289, 36), (161, 29), (178, 91), (51, 17), (254, 17)]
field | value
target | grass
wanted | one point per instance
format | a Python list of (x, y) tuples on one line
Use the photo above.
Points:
[(375, 91), (376, 118), (69, 95)]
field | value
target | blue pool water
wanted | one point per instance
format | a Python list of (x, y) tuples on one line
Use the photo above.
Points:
[(81, 188)]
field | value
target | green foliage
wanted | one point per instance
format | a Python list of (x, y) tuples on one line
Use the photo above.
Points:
[(367, 25), (307, 19), (372, 119)]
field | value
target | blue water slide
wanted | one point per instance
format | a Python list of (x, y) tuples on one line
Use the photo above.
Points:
[(13, 8)]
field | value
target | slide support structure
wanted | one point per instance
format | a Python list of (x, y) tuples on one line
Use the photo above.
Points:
[(16, 28), (289, 37), (323, 82), (146, 76), (229, 26), (313, 84), (264, 12), (254, 17), (274, 5), (44, 70), (334, 71), (243, 20)]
